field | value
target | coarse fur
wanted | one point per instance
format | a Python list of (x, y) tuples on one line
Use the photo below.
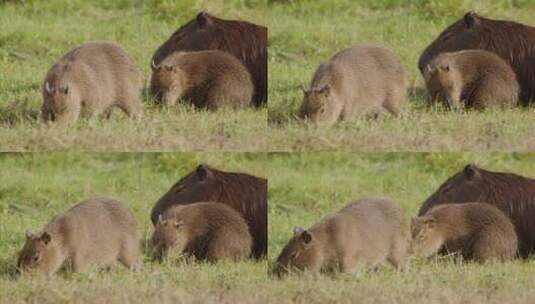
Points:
[(363, 234), (244, 40), (208, 79), (207, 230), (472, 79), (247, 194), (96, 232), (91, 80), (476, 231), (362, 79), (512, 41), (513, 194)]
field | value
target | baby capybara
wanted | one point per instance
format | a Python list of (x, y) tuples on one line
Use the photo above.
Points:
[(359, 80), (207, 79), (476, 78), (363, 234), (97, 232), (206, 230), (477, 231), (91, 80)]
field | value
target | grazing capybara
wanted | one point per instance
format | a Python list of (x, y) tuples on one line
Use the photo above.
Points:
[(91, 80), (362, 79), (512, 41), (514, 195), (471, 78), (245, 193), (476, 231), (246, 41), (208, 79), (96, 232), (363, 234), (207, 230)]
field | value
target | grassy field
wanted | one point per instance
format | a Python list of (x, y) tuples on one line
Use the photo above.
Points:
[(302, 188), (36, 33), (305, 33)]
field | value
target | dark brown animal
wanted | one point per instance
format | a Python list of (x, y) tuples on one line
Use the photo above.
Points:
[(514, 195), (245, 193), (476, 231), (363, 234), (246, 41), (512, 41), (96, 232), (207, 79), (471, 78), (207, 230)]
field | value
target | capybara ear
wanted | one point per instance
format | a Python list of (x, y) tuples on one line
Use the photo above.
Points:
[(64, 90), (306, 236), (298, 230), (169, 67), (470, 19), (29, 234), (48, 87), (203, 18), (45, 237), (445, 67), (177, 224), (153, 65), (470, 171), (202, 171), (430, 221), (161, 221)]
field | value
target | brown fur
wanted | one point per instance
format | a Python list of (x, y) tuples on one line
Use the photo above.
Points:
[(365, 233), (359, 80), (96, 232), (91, 80), (207, 230), (245, 193), (514, 195), (246, 41), (477, 231), (512, 41), (209, 79)]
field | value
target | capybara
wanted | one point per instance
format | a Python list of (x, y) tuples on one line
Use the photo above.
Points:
[(471, 78), (514, 195), (91, 80), (476, 231), (208, 79), (245, 193), (246, 41), (207, 230), (363, 234), (512, 41), (362, 79), (96, 232)]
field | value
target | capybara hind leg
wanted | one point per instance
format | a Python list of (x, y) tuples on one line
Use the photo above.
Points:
[(395, 103), (486, 249), (398, 257), (129, 255), (131, 106)]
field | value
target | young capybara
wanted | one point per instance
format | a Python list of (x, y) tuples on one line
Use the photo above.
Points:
[(511, 41), (244, 40), (473, 78), (359, 80), (363, 234), (207, 230), (96, 232), (91, 80), (245, 193), (513, 194), (476, 231), (209, 79)]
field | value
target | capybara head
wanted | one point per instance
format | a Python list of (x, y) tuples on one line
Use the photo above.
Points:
[(318, 106), (168, 82), (466, 33), (425, 239), (441, 79), (35, 253), (300, 254), (57, 96), (168, 233)]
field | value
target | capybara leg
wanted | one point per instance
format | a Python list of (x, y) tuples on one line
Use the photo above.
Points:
[(129, 255), (395, 103), (348, 264), (131, 106), (399, 254), (79, 264)]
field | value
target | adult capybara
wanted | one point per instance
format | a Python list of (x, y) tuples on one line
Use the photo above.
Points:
[(473, 78), (96, 232), (245, 193), (514, 195), (208, 79), (207, 230), (246, 41), (512, 41), (362, 234), (476, 231), (362, 79), (92, 80)]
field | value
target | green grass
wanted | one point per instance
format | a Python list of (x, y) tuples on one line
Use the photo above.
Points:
[(305, 33), (36, 33)]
